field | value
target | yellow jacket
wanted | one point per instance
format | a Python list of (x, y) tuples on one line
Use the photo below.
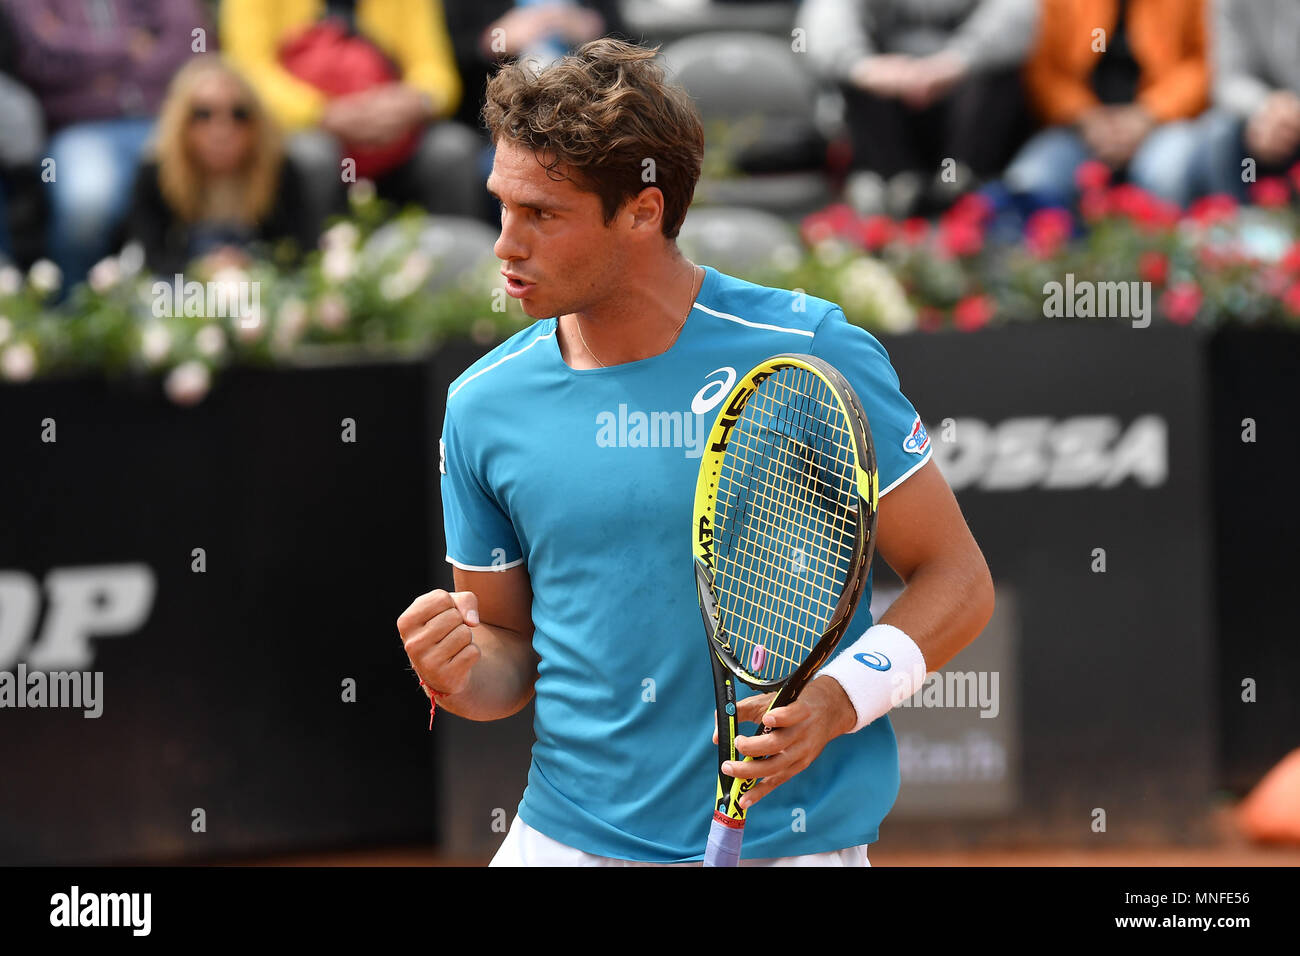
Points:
[(412, 32)]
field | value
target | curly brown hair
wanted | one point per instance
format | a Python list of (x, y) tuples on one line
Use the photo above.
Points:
[(606, 114)]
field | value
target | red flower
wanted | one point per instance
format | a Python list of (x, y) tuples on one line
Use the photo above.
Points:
[(1094, 204), (1270, 192), (960, 237), (1290, 261), (973, 312), (1046, 231), (1181, 302), (1142, 208), (1292, 299), (1212, 209), (1163, 215), (915, 231), (875, 232), (1274, 281), (929, 319), (1131, 201), (1153, 267), (971, 207), (836, 220), (1092, 175)]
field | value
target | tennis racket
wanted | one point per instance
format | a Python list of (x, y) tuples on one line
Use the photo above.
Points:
[(784, 530)]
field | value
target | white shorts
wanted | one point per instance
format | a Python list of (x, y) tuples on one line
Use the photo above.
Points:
[(524, 846)]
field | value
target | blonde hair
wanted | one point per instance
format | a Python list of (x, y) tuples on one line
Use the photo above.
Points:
[(179, 178)]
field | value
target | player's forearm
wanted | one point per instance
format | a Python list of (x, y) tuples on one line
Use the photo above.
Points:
[(945, 605), (501, 682)]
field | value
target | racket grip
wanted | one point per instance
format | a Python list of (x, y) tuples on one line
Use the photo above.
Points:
[(725, 836)]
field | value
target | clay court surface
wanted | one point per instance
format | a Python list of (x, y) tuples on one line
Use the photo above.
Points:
[(1222, 855)]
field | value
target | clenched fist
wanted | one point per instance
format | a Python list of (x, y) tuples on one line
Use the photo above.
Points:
[(437, 633)]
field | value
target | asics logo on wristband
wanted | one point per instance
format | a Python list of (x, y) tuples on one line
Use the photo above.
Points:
[(877, 662)]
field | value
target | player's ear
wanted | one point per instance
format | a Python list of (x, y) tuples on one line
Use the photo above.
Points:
[(646, 209)]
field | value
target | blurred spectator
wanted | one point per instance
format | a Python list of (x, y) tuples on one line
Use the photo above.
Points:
[(218, 185), (926, 81), (487, 33), (1119, 81), (371, 80), (24, 134), (99, 69), (1256, 49)]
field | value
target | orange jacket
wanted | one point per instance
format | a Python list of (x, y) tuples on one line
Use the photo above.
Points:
[(1168, 41)]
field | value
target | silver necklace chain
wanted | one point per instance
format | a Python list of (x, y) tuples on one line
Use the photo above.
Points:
[(694, 292)]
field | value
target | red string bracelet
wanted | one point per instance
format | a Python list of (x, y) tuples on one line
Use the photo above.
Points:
[(433, 701)]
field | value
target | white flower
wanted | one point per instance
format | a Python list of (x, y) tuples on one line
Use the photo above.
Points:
[(831, 252), (361, 192), (104, 274), (393, 287), (338, 264), (786, 258), (155, 343), (341, 235), (6, 329), (332, 312), (18, 362), (868, 285), (249, 327), (11, 280), (292, 323), (415, 267), (131, 260), (188, 382), (44, 276), (210, 340)]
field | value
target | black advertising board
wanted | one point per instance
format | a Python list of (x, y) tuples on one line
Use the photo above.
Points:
[(228, 725), (1256, 445), (1069, 446)]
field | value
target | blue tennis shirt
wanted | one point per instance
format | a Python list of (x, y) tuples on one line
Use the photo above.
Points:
[(587, 478)]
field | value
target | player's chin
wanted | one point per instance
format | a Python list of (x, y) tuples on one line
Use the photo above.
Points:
[(537, 307)]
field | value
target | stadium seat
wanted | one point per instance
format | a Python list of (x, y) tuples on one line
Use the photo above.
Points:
[(458, 247), (738, 240), (660, 21), (761, 108)]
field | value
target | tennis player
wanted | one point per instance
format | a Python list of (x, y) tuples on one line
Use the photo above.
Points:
[(569, 457)]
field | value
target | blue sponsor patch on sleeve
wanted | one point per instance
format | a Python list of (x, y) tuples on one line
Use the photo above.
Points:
[(918, 441)]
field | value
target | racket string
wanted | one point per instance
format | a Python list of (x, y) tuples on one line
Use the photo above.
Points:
[(779, 570), (769, 495)]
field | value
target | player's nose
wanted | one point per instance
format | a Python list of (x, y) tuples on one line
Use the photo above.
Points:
[(508, 246)]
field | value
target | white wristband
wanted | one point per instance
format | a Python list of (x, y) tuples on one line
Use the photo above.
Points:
[(878, 671)]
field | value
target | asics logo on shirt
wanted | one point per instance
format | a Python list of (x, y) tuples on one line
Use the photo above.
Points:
[(707, 398)]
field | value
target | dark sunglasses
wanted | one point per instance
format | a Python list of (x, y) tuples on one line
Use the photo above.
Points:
[(204, 114)]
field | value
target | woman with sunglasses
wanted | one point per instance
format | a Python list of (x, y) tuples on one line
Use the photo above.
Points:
[(218, 187)]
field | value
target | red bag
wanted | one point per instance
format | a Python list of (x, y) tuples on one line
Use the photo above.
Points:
[(335, 61)]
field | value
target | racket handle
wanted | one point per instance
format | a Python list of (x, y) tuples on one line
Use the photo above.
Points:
[(725, 836)]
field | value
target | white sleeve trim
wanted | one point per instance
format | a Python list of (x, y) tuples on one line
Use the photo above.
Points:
[(907, 474), (492, 567)]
